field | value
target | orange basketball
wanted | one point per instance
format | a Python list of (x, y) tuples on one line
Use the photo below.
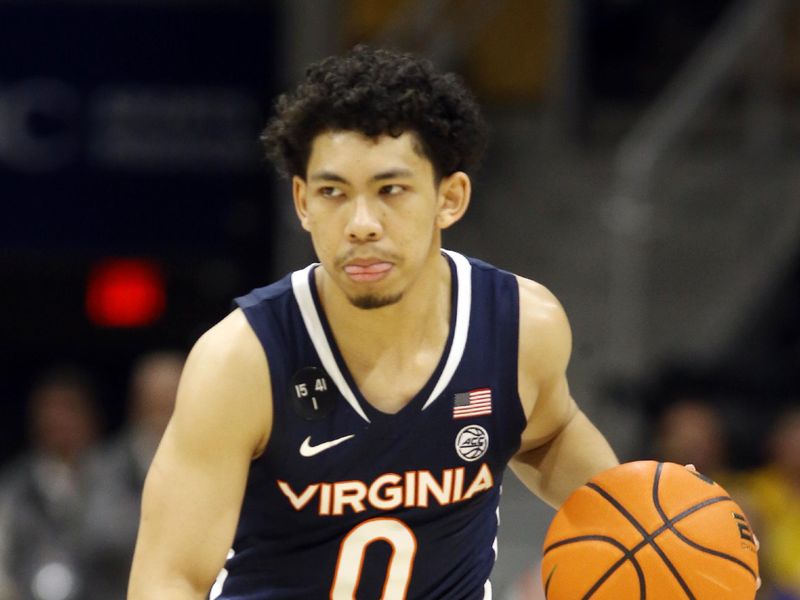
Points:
[(650, 530)]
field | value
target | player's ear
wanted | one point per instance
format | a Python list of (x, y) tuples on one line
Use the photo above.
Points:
[(300, 196), (454, 194)]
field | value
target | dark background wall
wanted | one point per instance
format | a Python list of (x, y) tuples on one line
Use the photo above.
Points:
[(127, 130)]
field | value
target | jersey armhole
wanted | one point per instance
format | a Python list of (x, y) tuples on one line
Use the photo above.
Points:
[(265, 326)]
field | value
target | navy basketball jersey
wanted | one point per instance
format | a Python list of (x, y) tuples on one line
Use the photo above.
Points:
[(349, 502)]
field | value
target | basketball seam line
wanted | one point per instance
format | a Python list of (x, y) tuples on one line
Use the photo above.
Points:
[(647, 538), (681, 517), (626, 555), (670, 566), (549, 579), (669, 523), (655, 533)]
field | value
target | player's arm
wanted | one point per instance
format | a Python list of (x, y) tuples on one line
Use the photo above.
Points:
[(194, 489), (560, 448)]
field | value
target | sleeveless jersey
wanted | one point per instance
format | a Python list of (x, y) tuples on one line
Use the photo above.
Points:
[(349, 502)]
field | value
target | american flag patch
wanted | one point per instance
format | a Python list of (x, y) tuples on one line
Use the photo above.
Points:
[(472, 404)]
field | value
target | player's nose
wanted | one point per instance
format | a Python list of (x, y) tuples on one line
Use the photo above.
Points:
[(364, 224)]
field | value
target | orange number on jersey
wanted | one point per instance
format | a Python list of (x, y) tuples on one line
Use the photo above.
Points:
[(354, 547)]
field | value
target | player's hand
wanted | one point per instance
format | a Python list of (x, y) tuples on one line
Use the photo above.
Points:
[(758, 547)]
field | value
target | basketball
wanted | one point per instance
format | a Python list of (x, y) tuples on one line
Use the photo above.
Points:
[(650, 530)]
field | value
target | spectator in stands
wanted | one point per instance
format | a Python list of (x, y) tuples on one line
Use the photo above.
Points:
[(773, 504), (43, 492), (119, 476), (691, 431)]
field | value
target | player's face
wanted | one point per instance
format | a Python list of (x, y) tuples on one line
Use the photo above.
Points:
[(375, 212)]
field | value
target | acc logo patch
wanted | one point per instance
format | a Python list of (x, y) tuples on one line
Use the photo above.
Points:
[(472, 442)]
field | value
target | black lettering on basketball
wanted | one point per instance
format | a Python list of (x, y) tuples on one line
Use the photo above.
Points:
[(744, 527)]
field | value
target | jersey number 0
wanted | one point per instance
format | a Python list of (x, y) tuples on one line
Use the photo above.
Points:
[(354, 547)]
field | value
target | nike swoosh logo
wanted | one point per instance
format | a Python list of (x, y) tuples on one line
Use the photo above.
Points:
[(306, 449)]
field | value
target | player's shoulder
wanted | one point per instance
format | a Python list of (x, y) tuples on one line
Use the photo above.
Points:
[(230, 341), (544, 327), (537, 303), (228, 354), (225, 385), (540, 312)]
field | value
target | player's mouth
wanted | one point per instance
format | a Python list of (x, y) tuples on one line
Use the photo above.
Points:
[(367, 271)]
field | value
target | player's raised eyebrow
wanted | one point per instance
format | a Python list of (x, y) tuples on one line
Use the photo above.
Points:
[(392, 174), (327, 176), (382, 176)]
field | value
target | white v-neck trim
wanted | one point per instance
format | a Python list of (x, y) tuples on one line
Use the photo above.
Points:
[(301, 286), (461, 327)]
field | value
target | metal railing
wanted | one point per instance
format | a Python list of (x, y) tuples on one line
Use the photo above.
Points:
[(630, 208)]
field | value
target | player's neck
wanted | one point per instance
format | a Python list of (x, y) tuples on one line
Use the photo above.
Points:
[(420, 318)]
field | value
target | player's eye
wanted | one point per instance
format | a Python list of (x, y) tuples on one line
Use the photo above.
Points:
[(330, 191), (392, 189)]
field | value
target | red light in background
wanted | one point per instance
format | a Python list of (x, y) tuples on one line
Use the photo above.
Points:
[(125, 292)]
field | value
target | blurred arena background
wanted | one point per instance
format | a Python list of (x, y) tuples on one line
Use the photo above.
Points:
[(644, 164)]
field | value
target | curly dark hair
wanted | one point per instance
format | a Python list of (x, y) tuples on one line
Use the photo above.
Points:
[(378, 92)]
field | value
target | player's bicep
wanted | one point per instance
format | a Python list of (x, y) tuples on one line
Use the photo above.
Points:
[(544, 352), (560, 448), (194, 489)]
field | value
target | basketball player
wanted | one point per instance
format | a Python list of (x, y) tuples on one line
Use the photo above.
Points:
[(343, 433)]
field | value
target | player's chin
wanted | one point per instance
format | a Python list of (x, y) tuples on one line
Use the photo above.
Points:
[(371, 301)]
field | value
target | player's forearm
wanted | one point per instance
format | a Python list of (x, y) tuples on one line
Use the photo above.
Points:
[(575, 455), (165, 568), (153, 576), (144, 587)]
